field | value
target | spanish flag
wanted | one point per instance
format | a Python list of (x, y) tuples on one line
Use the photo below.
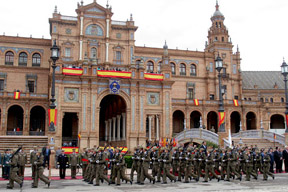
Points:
[(79, 136), (17, 95), (153, 77), (221, 118), (114, 74), (164, 142), (52, 116), (235, 101), (196, 102), (72, 71)]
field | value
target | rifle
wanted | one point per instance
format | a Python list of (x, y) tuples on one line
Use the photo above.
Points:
[(16, 152)]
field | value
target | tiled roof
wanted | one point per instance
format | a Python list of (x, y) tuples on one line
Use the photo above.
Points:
[(262, 80)]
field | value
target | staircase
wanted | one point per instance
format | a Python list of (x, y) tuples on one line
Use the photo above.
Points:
[(261, 143), (28, 142)]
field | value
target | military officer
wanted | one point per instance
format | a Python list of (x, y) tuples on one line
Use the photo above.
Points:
[(232, 159), (84, 161), (39, 163), (167, 166), (13, 171), (257, 161), (175, 160), (145, 166), (249, 165), (266, 167), (182, 163), (155, 164), (93, 160), (139, 164), (190, 165), (100, 166), (63, 162), (32, 160), (201, 162), (22, 163), (134, 163), (209, 168), (224, 164), (73, 161)]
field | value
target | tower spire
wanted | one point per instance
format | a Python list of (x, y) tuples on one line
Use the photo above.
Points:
[(217, 5), (55, 10)]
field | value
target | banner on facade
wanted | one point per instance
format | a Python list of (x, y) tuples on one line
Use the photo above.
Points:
[(221, 118), (153, 77), (286, 115), (236, 103), (73, 71), (114, 74), (196, 102), (52, 116), (17, 95)]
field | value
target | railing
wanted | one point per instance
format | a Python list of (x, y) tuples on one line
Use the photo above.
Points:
[(69, 18), (270, 136), (14, 132), (36, 133), (197, 133), (248, 134), (118, 22)]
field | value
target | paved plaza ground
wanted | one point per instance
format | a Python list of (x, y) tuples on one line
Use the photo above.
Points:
[(280, 184)]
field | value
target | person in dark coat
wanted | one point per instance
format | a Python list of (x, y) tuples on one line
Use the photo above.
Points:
[(62, 162), (280, 160), (277, 159), (285, 157), (271, 154), (46, 151)]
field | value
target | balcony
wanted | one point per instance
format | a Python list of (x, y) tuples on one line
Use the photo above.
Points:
[(183, 73)]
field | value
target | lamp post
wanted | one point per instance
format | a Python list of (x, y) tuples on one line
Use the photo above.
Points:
[(219, 67), (54, 57), (284, 71)]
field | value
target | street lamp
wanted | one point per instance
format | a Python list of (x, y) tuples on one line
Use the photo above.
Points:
[(284, 71), (54, 57), (219, 67)]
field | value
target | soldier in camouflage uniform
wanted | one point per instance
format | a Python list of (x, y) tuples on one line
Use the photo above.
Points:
[(175, 160), (190, 169), (134, 163), (84, 161), (93, 166), (139, 164), (13, 172), (155, 164), (33, 159), (209, 168), (39, 163), (224, 164), (182, 163), (89, 166), (232, 159), (266, 167), (241, 161), (257, 161), (167, 166), (74, 162), (100, 166), (145, 167), (201, 162), (249, 165), (22, 163)]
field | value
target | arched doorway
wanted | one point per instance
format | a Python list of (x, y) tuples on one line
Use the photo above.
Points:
[(37, 121), (195, 119), (277, 122), (251, 121), (235, 120), (212, 121), (70, 129), (112, 120), (178, 121), (15, 120)]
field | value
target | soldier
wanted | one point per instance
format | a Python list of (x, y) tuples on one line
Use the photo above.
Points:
[(217, 160), (189, 165), (224, 164), (266, 167), (32, 160), (139, 164), (84, 161), (249, 165), (144, 168), (134, 163), (209, 168), (5, 164), (155, 164), (182, 163), (257, 161), (232, 159), (175, 160), (22, 163), (74, 162), (167, 166), (13, 171), (201, 162), (93, 160), (100, 166), (62, 162), (161, 162), (89, 166), (120, 168), (39, 162), (241, 161)]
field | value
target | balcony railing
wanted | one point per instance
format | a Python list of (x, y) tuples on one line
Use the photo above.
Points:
[(14, 132)]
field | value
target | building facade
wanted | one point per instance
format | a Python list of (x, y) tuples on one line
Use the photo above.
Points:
[(126, 94)]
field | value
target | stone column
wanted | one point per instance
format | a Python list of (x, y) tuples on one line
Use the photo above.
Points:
[(106, 130), (118, 127), (114, 128), (110, 129), (157, 127), (150, 129), (124, 126)]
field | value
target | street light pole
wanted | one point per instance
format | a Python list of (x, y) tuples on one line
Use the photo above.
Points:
[(284, 71), (54, 57), (219, 67)]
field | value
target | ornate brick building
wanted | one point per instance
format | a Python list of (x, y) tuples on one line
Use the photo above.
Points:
[(124, 93)]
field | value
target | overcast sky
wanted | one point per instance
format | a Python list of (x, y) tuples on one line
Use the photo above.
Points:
[(259, 27)]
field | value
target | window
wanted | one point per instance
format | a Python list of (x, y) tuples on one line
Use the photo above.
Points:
[(67, 52), (234, 69), (266, 100), (216, 39), (216, 24), (223, 39), (282, 100), (261, 99), (182, 69), (118, 35), (138, 63), (211, 67), (149, 66), (190, 93), (118, 56), (31, 85), (36, 59), (54, 29), (9, 58), (224, 71), (159, 67), (245, 99), (93, 53), (220, 25), (249, 99), (132, 36), (236, 97), (1, 84), (211, 96), (192, 70), (173, 70), (271, 100), (23, 59)]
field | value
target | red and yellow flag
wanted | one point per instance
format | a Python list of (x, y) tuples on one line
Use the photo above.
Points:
[(235, 101), (17, 95), (72, 71), (153, 77), (286, 115), (79, 136), (115, 74), (52, 116), (164, 142), (221, 118), (196, 102)]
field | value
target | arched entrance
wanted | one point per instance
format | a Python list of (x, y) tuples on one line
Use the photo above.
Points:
[(212, 121), (37, 121), (277, 122), (70, 129), (15, 120), (195, 119), (251, 121), (178, 121), (112, 120), (235, 120)]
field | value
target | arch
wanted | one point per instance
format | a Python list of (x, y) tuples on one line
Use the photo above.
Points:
[(94, 30), (173, 68), (15, 120), (212, 121), (37, 120), (150, 66), (121, 93), (193, 70), (195, 119), (178, 121), (277, 122), (251, 122), (23, 58), (235, 119), (182, 69), (36, 60), (9, 58)]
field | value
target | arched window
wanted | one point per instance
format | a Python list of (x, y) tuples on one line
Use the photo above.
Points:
[(173, 70), (282, 100), (93, 53), (23, 59), (137, 63), (159, 67), (36, 60), (150, 66), (271, 100), (193, 70), (182, 69), (9, 58)]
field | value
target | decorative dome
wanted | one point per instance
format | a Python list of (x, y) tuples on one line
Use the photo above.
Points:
[(217, 12)]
